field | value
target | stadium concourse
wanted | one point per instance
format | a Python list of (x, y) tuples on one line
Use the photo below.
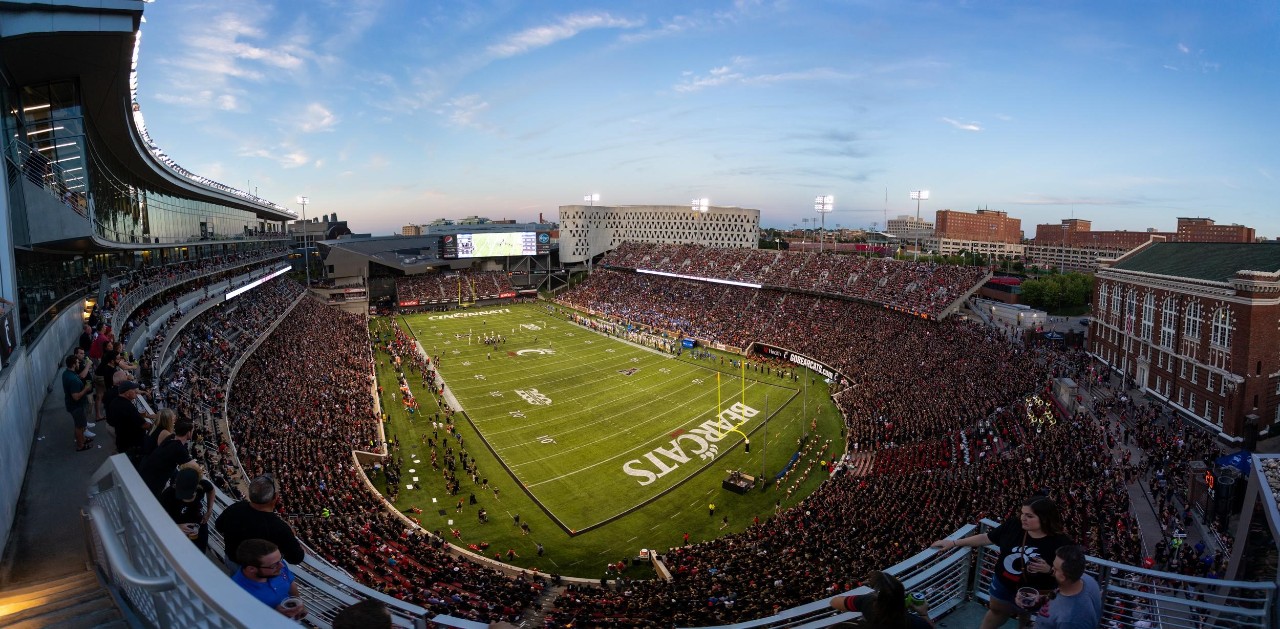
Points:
[(945, 425)]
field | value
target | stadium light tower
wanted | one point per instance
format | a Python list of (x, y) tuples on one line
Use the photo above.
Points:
[(918, 196), (306, 251), (823, 205), (701, 206)]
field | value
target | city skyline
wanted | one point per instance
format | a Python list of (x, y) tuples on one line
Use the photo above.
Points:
[(391, 112)]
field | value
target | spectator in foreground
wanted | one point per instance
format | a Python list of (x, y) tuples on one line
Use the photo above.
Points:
[(367, 614), (181, 500), (266, 575), (887, 606), (131, 425), (1078, 604), (1024, 543), (255, 518), (158, 467)]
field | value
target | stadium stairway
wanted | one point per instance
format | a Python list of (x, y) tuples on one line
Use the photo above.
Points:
[(75, 601), (45, 578)]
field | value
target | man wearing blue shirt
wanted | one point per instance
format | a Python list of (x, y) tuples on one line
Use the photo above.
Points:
[(264, 574), (78, 391)]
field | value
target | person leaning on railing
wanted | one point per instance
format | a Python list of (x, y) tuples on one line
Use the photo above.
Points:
[(1027, 545)]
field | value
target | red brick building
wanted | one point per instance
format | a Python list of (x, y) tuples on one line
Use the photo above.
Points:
[(983, 225), (1204, 230), (1195, 324), (1075, 232)]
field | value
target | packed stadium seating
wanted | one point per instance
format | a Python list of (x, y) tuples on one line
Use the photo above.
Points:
[(449, 287), (941, 431), (919, 287)]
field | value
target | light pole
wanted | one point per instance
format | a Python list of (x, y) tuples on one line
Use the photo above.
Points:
[(918, 196), (306, 250), (700, 206), (823, 205)]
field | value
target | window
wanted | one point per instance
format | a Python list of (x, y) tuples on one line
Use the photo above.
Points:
[(1220, 332), (1208, 409), (1191, 401), (1195, 374), (1191, 331), (1148, 315), (1183, 372), (1115, 303), (1130, 311), (1102, 298), (1168, 322)]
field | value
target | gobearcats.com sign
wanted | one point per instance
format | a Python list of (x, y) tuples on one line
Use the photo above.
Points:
[(460, 315), (700, 442)]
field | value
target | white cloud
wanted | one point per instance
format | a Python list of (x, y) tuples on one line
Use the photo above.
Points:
[(316, 118), (284, 155), (542, 36), (1182, 48), (963, 126), (464, 111), (219, 53), (1266, 173)]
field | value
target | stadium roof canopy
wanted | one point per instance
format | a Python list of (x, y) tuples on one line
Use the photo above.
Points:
[(1212, 261), (418, 254)]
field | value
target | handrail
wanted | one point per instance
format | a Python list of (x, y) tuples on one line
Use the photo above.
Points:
[(119, 558)]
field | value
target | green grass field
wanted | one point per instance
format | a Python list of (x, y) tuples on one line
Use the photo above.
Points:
[(603, 447)]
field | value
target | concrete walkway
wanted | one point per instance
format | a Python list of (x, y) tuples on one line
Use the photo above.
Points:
[(48, 536)]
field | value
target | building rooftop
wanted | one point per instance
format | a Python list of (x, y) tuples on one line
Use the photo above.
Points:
[(1213, 261)]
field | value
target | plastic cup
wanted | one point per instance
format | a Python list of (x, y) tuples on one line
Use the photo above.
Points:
[(1028, 598)]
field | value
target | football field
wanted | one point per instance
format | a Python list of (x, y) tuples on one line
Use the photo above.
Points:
[(589, 425)]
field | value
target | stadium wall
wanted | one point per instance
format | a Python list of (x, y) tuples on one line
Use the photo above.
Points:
[(34, 372), (587, 231)]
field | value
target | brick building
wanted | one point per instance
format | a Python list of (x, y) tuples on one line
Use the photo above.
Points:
[(983, 225), (1195, 324), (1204, 230), (1075, 232)]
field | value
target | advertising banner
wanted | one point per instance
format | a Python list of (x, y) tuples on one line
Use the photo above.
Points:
[(798, 359), (408, 303)]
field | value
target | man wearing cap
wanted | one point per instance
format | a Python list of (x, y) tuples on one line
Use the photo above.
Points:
[(130, 425), (158, 467), (181, 501), (256, 518)]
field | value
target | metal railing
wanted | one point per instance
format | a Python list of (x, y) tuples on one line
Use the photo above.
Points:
[(147, 559), (167, 581), (131, 301)]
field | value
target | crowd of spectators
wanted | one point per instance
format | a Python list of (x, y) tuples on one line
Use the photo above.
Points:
[(949, 415), (298, 408), (204, 352), (925, 288), (447, 287)]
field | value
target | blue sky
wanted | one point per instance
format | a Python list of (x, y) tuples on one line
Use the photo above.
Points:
[(390, 112)]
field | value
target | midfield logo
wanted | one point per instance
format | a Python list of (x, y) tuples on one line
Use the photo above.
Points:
[(536, 350), (533, 397), (701, 442)]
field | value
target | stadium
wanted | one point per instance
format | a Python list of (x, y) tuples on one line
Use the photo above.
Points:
[(632, 417)]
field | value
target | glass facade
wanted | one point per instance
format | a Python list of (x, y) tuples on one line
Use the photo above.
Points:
[(46, 143), (53, 150)]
